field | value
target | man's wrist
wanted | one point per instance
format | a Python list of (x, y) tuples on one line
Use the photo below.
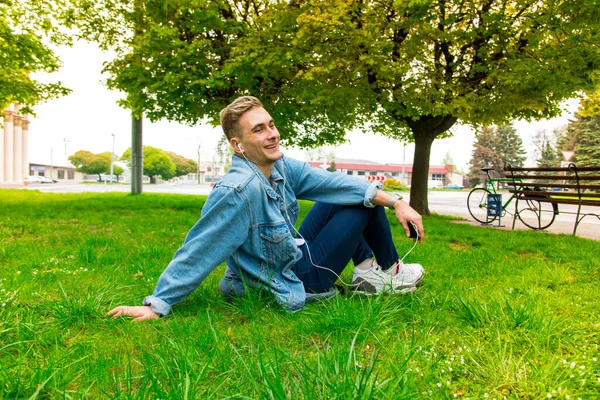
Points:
[(395, 200)]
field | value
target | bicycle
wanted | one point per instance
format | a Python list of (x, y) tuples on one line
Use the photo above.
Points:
[(535, 215)]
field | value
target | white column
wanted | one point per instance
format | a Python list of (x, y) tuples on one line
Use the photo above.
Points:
[(8, 146), (25, 147), (17, 149), (7, 115)]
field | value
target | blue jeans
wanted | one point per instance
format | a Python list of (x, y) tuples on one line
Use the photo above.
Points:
[(335, 234)]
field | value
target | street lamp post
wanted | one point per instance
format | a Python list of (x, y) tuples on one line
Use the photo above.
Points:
[(51, 162), (66, 140), (403, 162), (199, 167), (112, 158)]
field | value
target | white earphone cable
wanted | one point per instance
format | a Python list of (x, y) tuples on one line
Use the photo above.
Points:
[(304, 240)]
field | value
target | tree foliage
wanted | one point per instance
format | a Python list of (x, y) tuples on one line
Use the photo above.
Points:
[(321, 154), (569, 138), (157, 163), (409, 70), (118, 171), (485, 155), (495, 147), (545, 149), (224, 152), (588, 151), (183, 166), (583, 135), (590, 104), (332, 167), (27, 30), (91, 163), (510, 146)]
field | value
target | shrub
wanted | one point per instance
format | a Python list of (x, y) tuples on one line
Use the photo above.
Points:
[(393, 184)]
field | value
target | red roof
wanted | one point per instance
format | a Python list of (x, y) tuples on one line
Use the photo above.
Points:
[(433, 169)]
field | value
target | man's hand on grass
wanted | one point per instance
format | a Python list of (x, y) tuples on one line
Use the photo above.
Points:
[(140, 313)]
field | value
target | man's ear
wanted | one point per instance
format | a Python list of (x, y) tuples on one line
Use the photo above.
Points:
[(236, 146)]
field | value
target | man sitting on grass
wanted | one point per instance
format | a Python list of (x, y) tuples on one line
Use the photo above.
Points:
[(248, 221)]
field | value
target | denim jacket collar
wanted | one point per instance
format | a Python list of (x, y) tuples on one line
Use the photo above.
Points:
[(275, 174)]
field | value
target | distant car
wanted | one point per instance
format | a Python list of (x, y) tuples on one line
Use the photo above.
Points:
[(34, 179), (106, 179), (453, 186), (45, 179)]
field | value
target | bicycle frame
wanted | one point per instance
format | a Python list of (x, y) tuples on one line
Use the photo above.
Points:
[(489, 185)]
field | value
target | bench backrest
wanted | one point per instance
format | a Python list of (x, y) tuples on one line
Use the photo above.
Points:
[(568, 185)]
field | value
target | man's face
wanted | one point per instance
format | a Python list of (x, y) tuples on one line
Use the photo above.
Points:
[(260, 137)]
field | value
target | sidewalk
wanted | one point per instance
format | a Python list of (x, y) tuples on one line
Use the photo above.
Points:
[(454, 204)]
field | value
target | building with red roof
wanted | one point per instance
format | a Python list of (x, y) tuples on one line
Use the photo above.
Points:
[(439, 175)]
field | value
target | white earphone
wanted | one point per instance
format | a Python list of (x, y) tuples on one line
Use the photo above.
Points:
[(239, 146)]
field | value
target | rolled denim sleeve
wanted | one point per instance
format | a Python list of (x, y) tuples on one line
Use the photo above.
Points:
[(371, 192), (312, 183), (221, 230)]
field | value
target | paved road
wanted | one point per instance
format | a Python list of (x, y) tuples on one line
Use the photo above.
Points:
[(455, 203), (441, 202)]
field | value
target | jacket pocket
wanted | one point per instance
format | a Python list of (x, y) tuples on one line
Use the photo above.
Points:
[(273, 243)]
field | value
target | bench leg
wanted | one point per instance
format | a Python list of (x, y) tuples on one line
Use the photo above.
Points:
[(515, 214)]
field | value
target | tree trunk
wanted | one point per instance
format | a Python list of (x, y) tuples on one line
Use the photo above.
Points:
[(420, 174), (425, 130)]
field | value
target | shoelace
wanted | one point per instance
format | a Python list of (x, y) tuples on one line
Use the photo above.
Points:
[(398, 265)]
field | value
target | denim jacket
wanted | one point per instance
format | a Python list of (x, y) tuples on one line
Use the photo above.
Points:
[(248, 222)]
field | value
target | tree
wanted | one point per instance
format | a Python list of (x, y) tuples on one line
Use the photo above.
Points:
[(545, 149), (510, 147), (590, 104), (90, 163), (448, 160), (569, 138), (408, 70), (156, 163), (582, 135), (426, 65), (224, 152), (588, 151), (485, 155), (332, 167), (118, 171), (183, 166), (26, 28), (323, 155)]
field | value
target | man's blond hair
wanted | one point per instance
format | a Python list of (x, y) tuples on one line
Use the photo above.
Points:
[(230, 115)]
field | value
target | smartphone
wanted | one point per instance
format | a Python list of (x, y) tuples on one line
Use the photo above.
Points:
[(412, 227)]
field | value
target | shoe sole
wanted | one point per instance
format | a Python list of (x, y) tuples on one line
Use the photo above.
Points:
[(367, 289), (406, 290)]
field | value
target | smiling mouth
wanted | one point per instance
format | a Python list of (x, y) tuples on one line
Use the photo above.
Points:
[(271, 147)]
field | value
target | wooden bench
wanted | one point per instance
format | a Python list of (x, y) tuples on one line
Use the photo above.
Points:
[(535, 187)]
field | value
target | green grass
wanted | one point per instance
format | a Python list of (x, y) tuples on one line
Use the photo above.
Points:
[(501, 314)]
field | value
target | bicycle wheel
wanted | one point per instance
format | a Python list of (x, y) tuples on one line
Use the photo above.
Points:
[(477, 203), (537, 214)]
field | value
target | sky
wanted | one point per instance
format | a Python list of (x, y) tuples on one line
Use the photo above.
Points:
[(87, 118)]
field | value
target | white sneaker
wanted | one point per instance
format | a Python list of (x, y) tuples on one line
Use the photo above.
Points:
[(375, 280)]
